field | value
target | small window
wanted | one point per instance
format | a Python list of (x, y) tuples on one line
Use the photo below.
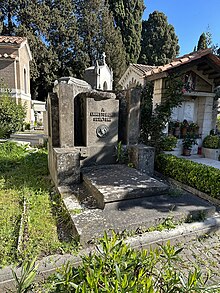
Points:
[(105, 86), (25, 81)]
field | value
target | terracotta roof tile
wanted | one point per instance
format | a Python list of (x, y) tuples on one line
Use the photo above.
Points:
[(179, 61), (11, 40)]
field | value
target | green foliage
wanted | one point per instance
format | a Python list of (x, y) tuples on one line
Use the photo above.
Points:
[(99, 34), (202, 43), (188, 141), (28, 274), (218, 123), (159, 43), (113, 45), (211, 142), (201, 177), (121, 154), (11, 114), (168, 143), (116, 267), (127, 17), (154, 121), (24, 174), (70, 35)]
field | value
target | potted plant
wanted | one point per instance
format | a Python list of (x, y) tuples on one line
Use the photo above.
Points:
[(177, 129), (184, 127), (168, 143), (188, 142), (211, 146), (194, 129)]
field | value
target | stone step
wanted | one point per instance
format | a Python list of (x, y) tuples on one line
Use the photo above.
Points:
[(138, 214), (111, 183)]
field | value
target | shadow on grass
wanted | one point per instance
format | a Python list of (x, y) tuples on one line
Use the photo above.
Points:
[(28, 172)]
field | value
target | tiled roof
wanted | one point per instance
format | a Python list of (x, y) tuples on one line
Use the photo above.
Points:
[(143, 68), (179, 61), (11, 40), (11, 56)]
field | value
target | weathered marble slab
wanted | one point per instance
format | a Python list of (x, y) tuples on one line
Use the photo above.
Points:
[(112, 183)]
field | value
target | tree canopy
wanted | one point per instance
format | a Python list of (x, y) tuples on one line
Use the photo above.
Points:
[(65, 37), (128, 18), (159, 43)]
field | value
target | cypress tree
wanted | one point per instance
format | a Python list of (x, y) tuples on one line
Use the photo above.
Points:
[(8, 10), (97, 30), (65, 37), (127, 17), (159, 43), (113, 45), (202, 43)]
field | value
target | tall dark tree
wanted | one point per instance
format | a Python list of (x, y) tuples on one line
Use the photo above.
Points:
[(206, 41), (99, 34), (65, 36), (128, 17), (159, 43), (202, 43), (113, 45), (8, 10)]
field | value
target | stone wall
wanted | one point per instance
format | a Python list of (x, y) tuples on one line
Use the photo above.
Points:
[(7, 72)]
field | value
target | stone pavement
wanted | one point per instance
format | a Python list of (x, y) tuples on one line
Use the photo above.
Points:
[(204, 253)]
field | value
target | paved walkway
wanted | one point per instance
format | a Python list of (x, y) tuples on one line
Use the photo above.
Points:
[(201, 160), (204, 253)]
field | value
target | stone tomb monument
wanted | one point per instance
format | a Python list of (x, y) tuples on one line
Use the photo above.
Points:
[(85, 126)]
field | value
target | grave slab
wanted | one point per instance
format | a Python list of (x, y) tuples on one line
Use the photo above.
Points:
[(139, 214), (110, 183)]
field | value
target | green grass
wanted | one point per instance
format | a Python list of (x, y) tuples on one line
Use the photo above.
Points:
[(24, 175)]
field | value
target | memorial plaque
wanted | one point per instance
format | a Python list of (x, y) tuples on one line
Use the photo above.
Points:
[(101, 121)]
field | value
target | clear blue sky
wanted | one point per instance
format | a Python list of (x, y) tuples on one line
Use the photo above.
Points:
[(190, 19)]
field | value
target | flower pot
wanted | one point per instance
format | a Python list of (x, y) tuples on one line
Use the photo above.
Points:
[(186, 152), (183, 131)]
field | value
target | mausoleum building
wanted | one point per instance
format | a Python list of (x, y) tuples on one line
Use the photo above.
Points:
[(99, 76), (201, 76), (15, 56)]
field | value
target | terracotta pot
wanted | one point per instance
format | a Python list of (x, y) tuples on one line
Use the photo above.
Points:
[(186, 152), (184, 131)]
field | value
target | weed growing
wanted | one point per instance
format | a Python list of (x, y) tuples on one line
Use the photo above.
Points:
[(116, 267), (24, 175)]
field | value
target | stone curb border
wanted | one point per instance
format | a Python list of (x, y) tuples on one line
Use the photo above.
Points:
[(183, 233), (194, 191)]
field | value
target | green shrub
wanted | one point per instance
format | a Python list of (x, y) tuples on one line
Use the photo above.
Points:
[(116, 267), (27, 126), (211, 142), (11, 114), (201, 177), (168, 143)]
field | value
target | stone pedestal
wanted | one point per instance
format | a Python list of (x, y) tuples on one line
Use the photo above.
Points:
[(65, 169), (142, 157), (213, 154)]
